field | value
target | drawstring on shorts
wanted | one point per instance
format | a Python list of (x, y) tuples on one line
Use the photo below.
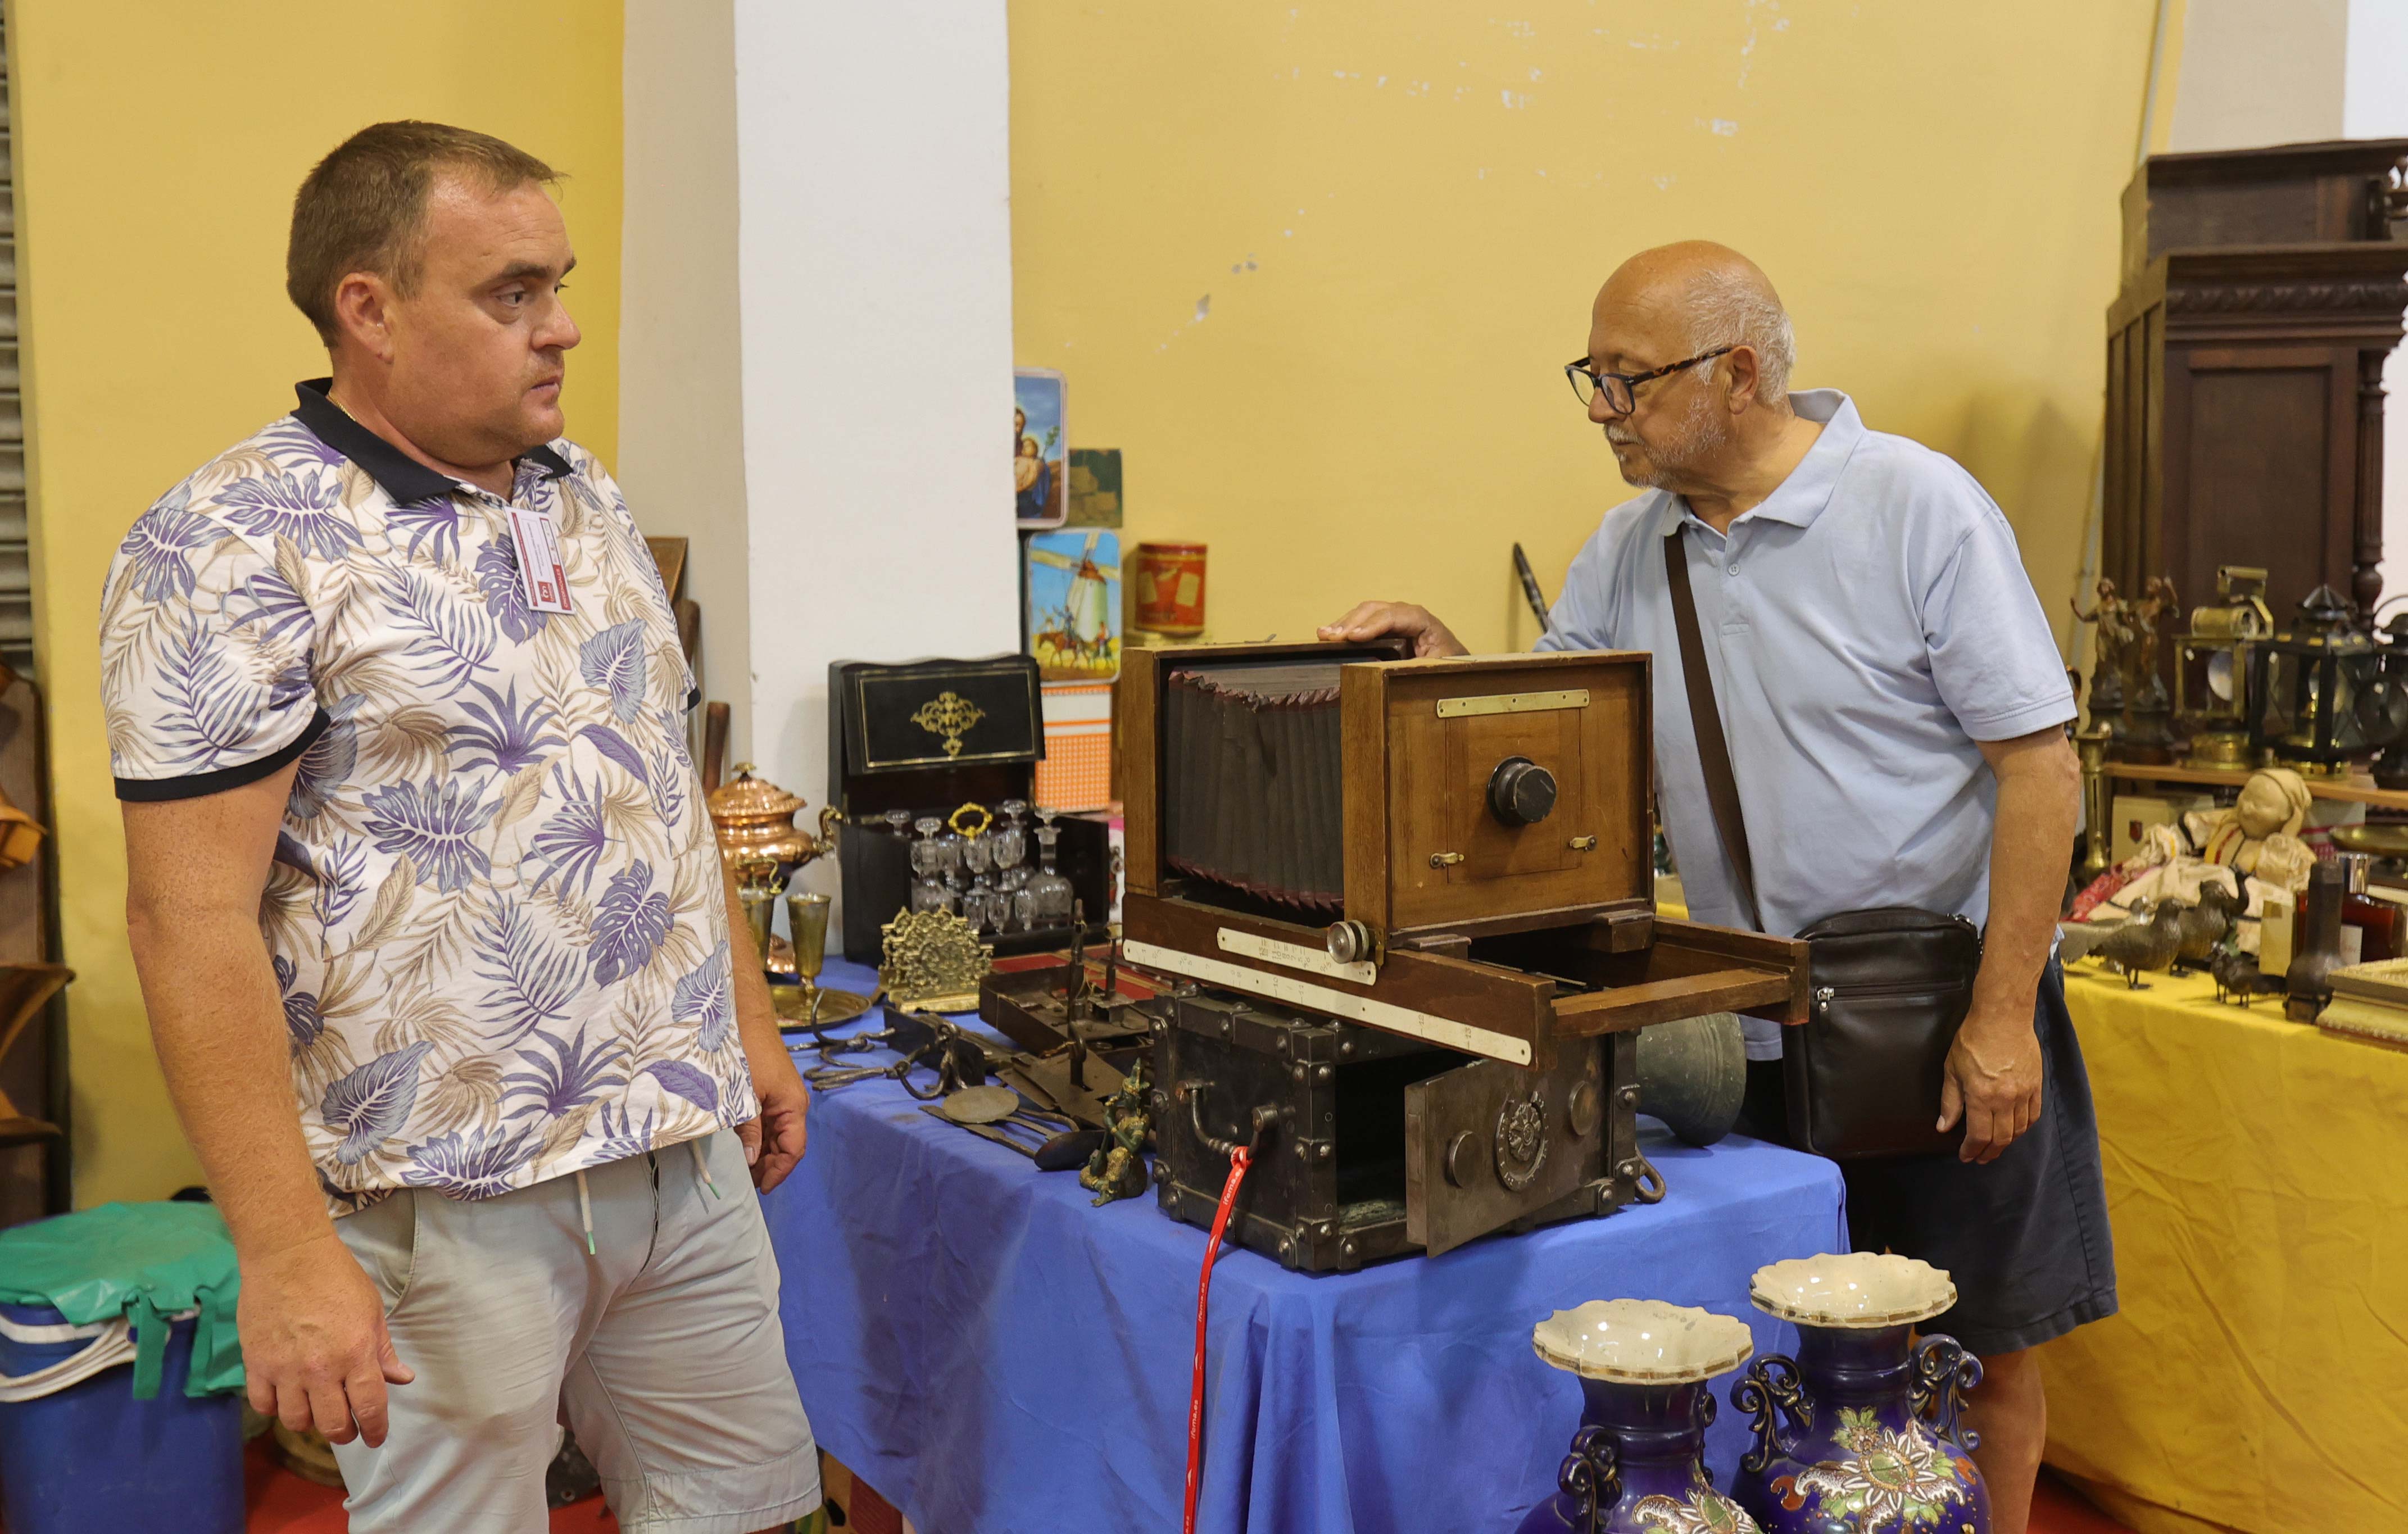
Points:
[(585, 1208), (585, 1197)]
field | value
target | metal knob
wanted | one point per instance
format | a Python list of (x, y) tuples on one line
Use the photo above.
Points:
[(1521, 792), (1462, 1159), (1350, 942)]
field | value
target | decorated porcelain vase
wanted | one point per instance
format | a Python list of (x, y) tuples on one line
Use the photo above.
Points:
[(1637, 1464), (1858, 1433)]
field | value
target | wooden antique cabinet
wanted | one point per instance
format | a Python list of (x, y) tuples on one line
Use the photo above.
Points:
[(2262, 291)]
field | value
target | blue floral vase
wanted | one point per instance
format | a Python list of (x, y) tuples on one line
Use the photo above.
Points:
[(1858, 1434), (1637, 1464)]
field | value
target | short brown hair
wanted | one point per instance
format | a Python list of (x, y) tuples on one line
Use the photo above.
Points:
[(363, 208)]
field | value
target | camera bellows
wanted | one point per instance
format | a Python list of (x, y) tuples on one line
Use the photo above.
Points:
[(1251, 798)]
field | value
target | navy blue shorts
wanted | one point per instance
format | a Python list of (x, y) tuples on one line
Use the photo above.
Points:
[(2025, 1237)]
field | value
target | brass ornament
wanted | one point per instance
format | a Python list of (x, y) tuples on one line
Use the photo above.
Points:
[(950, 716), (933, 962), (1521, 1141), (970, 820)]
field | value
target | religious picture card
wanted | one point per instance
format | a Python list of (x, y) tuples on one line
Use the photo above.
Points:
[(1073, 582), (1040, 449)]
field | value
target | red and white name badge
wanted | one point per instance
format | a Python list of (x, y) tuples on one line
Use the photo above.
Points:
[(540, 571)]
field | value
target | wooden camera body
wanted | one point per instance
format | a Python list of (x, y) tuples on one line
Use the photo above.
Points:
[(1432, 876)]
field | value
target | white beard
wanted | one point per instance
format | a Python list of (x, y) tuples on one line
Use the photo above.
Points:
[(1702, 432)]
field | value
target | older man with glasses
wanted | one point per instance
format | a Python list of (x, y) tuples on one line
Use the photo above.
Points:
[(1893, 705)]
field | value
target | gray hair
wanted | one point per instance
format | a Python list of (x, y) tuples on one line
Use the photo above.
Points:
[(1734, 307)]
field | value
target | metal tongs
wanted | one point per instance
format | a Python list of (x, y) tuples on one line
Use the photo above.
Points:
[(939, 1043), (1054, 1141)]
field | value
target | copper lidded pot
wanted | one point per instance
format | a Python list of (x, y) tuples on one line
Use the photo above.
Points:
[(754, 820)]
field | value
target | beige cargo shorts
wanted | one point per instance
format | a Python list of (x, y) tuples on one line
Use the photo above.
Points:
[(661, 1348)]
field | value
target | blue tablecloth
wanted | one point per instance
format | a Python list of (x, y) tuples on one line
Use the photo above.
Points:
[(994, 1355)]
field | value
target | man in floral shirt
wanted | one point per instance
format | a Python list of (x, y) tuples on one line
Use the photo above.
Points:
[(394, 681)]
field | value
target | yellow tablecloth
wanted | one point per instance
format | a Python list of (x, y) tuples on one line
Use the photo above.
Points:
[(2257, 1182)]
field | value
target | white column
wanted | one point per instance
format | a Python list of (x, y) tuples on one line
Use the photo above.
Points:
[(875, 253), (2259, 72), (681, 343), (2374, 104)]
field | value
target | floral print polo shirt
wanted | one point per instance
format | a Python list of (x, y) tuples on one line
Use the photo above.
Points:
[(495, 911)]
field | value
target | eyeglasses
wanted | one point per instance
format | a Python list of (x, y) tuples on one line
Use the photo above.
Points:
[(1620, 388)]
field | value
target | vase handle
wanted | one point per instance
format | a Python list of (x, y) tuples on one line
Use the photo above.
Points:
[(1944, 1371), (1591, 1476), (1771, 1391)]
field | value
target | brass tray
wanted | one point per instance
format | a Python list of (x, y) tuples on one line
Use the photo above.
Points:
[(834, 1006), (2383, 840)]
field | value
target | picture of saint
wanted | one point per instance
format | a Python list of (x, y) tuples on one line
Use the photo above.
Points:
[(1039, 449)]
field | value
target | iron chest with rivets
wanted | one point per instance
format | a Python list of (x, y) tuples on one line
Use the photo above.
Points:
[(1368, 1144)]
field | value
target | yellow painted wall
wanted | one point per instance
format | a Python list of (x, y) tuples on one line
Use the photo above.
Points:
[(1399, 212), (157, 144)]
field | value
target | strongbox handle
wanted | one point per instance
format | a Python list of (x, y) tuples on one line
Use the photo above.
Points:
[(1265, 1115)]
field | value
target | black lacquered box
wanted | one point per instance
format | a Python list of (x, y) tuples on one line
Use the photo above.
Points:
[(931, 736)]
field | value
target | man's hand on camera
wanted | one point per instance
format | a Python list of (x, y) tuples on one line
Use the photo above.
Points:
[(1382, 620)]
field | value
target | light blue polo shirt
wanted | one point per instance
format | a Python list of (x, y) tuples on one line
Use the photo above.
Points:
[(1865, 625)]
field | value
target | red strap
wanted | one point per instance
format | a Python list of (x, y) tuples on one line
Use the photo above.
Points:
[(1239, 1160)]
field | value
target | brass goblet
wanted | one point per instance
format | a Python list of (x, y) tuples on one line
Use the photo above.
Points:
[(757, 888), (806, 920)]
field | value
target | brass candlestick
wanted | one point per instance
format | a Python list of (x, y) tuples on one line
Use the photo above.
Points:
[(2090, 746)]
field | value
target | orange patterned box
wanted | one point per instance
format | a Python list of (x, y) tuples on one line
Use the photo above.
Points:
[(1077, 771)]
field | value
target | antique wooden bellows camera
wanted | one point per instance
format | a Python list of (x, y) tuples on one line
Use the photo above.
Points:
[(1415, 901)]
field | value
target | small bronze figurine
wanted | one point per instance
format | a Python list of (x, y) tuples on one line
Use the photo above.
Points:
[(2235, 972), (2205, 924), (2156, 602), (2133, 947), (2111, 653), (1117, 1169), (2148, 708)]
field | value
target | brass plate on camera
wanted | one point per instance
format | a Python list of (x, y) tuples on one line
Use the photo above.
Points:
[(1513, 703)]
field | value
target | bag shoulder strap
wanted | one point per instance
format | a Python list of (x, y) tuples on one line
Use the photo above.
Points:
[(1705, 718)]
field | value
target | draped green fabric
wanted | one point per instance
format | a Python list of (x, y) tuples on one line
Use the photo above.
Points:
[(143, 1262)]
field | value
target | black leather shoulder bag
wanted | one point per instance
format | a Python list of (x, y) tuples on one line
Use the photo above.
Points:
[(1891, 985)]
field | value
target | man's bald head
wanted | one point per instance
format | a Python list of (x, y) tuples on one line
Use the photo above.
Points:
[(1692, 297)]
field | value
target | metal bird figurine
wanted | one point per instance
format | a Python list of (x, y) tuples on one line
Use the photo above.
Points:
[(2205, 924), (2135, 946), (2235, 972)]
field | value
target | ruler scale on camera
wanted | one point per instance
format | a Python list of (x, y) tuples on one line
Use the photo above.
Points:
[(1436, 1030), (1295, 957)]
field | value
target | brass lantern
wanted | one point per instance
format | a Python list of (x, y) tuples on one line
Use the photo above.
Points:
[(2312, 689), (2212, 667), (2391, 706)]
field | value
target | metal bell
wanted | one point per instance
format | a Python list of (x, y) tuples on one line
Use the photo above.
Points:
[(1693, 1075)]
